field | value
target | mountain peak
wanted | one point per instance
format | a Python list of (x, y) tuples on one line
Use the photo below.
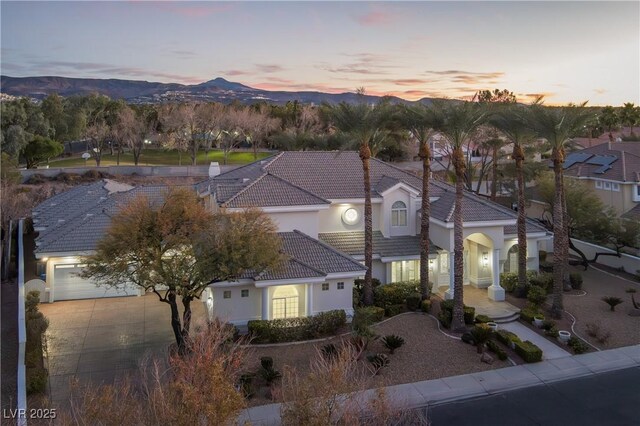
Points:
[(224, 84)]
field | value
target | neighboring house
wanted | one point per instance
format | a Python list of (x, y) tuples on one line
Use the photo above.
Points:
[(316, 200), (612, 171)]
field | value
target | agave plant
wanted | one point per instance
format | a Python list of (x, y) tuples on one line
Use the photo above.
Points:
[(378, 362), (392, 342)]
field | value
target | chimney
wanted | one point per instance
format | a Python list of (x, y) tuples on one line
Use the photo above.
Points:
[(214, 169)]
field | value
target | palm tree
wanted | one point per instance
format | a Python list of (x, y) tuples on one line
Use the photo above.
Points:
[(609, 119), (629, 115), (558, 126), (512, 122), (420, 121), (365, 125), (457, 122)]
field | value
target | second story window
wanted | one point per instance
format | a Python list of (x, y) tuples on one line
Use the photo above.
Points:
[(399, 214)]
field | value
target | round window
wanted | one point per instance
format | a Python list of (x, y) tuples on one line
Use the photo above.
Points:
[(350, 216)]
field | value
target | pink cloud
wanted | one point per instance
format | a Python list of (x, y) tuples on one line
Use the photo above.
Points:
[(191, 11), (375, 18)]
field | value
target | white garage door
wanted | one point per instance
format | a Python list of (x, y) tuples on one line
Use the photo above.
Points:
[(67, 285)]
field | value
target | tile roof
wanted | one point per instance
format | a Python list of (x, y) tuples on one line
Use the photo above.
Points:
[(622, 171), (474, 208), (88, 225), (633, 214), (268, 191), (352, 243), (531, 226)]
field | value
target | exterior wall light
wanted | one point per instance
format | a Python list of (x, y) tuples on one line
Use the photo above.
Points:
[(485, 259), (431, 264), (350, 216)]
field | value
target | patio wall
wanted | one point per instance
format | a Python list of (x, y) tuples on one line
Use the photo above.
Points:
[(630, 263)]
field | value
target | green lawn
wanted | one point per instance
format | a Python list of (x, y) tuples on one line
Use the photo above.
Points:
[(159, 157)]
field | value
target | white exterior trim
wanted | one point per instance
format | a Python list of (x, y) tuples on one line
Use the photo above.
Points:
[(400, 185), (224, 284), (65, 255), (353, 200), (399, 258), (338, 275), (275, 283), (475, 224), (285, 209)]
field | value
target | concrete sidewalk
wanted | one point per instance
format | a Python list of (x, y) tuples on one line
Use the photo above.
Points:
[(457, 388), (549, 350)]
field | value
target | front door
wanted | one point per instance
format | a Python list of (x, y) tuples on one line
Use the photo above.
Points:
[(285, 307)]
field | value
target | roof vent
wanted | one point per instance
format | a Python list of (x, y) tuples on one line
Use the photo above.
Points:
[(214, 169), (60, 220), (245, 180)]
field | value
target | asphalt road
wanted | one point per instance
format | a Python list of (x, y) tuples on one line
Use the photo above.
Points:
[(600, 400)]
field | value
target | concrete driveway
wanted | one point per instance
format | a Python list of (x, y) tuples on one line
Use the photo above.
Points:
[(100, 340)]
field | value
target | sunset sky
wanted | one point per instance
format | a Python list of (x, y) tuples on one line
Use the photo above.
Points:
[(569, 51)]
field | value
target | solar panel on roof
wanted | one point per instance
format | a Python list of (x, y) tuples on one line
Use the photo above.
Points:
[(602, 160), (576, 157)]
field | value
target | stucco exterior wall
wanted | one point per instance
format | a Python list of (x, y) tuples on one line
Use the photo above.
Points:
[(331, 299), (409, 200), (330, 220), (306, 222), (237, 309)]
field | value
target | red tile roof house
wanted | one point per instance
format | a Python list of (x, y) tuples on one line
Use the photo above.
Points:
[(317, 201)]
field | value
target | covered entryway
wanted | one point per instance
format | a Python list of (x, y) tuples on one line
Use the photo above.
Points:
[(67, 285)]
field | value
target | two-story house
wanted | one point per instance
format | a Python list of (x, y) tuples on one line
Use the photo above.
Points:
[(317, 201), (612, 171)]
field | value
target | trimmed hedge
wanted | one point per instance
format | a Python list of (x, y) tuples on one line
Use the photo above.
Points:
[(544, 280), (369, 314), (536, 295), (295, 329), (446, 313), (394, 293), (508, 281), (482, 319), (469, 314), (576, 280), (413, 301), (528, 351), (493, 347), (528, 313), (426, 306), (393, 310), (506, 337)]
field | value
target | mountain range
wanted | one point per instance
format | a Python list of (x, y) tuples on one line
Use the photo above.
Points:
[(135, 91)]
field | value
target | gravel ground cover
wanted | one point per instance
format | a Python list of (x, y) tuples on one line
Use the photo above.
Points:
[(427, 354), (623, 330)]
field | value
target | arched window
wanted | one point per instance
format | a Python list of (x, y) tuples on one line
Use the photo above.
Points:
[(399, 214)]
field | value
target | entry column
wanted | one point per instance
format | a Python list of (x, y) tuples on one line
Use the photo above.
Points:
[(265, 303), (309, 291), (495, 291), (448, 295)]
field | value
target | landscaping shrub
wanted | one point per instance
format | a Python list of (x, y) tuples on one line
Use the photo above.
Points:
[(467, 338), (394, 293), (413, 301), (369, 315), (493, 347), (426, 306), (469, 314), (528, 312), (578, 346), (536, 296), (528, 351), (329, 351), (509, 281), (392, 342), (481, 333), (552, 332), (393, 310), (543, 280), (36, 179), (575, 278), (548, 324), (594, 330), (295, 329), (36, 325), (546, 266), (445, 317), (358, 292), (482, 319), (378, 361), (506, 337), (266, 362)]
